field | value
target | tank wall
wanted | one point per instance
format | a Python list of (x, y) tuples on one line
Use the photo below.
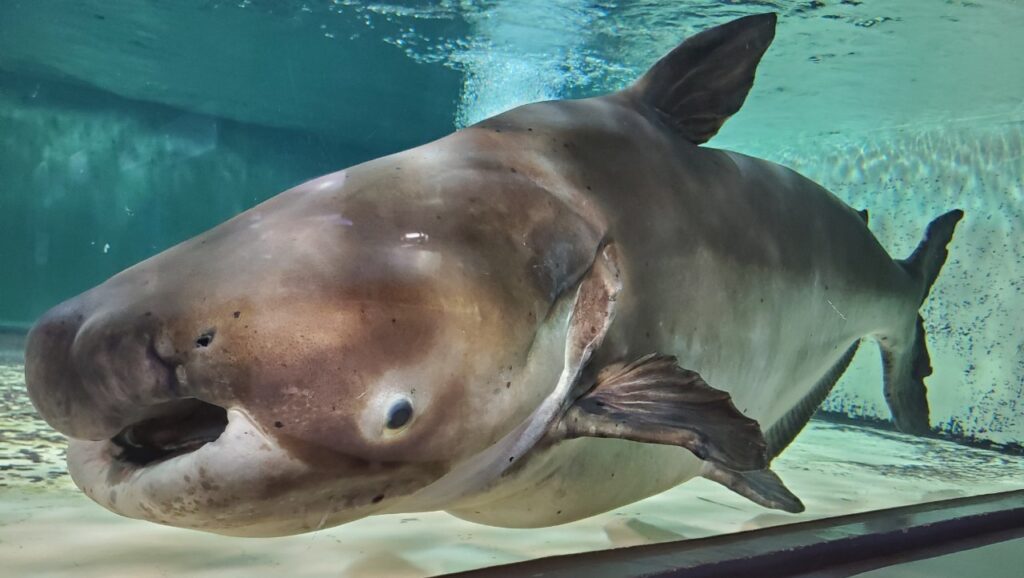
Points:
[(331, 68), (126, 127), (93, 183)]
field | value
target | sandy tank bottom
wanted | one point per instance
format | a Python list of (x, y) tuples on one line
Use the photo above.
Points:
[(48, 528)]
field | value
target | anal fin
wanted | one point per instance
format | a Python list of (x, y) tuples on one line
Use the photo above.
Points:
[(784, 431), (653, 400), (763, 487)]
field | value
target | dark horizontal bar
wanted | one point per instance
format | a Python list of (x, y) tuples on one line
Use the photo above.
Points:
[(19, 329), (832, 547)]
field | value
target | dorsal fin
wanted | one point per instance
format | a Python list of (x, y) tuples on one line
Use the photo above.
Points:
[(705, 80)]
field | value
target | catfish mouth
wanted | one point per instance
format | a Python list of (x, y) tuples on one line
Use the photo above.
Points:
[(181, 427)]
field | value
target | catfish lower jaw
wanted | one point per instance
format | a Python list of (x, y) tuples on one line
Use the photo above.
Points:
[(244, 483), (180, 427)]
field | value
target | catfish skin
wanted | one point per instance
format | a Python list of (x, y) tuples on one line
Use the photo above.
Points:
[(749, 273)]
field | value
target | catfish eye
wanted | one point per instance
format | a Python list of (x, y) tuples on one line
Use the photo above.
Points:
[(399, 414)]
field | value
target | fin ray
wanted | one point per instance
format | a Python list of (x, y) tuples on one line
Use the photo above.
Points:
[(653, 400)]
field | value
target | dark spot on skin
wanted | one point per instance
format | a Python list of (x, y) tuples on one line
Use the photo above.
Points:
[(511, 458), (377, 499), (278, 424), (528, 129), (394, 320), (588, 188), (559, 512), (512, 169), (149, 314), (206, 338), (237, 314), (508, 384), (497, 130)]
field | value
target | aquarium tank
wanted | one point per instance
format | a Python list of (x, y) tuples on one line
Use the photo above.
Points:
[(130, 126)]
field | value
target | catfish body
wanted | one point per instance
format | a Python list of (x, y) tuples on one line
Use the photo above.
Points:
[(555, 312), (748, 273)]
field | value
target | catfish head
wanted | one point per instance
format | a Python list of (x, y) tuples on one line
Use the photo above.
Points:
[(324, 355)]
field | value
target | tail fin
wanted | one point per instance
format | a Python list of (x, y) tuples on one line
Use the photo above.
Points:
[(927, 260), (905, 358)]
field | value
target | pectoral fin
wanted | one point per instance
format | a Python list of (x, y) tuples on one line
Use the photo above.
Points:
[(653, 400), (762, 487)]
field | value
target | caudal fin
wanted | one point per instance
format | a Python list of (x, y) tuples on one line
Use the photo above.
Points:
[(905, 358), (926, 261)]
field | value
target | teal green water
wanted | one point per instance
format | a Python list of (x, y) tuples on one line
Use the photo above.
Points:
[(128, 126)]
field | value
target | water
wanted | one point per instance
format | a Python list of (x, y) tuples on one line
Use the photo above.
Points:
[(126, 127)]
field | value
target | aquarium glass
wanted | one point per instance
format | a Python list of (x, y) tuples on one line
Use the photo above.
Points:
[(129, 126)]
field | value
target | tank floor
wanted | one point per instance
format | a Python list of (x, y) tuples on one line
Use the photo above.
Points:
[(47, 527)]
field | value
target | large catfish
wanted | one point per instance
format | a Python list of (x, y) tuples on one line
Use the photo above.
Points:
[(560, 310)]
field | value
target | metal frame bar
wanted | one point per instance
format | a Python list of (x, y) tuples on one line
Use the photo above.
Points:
[(831, 547)]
